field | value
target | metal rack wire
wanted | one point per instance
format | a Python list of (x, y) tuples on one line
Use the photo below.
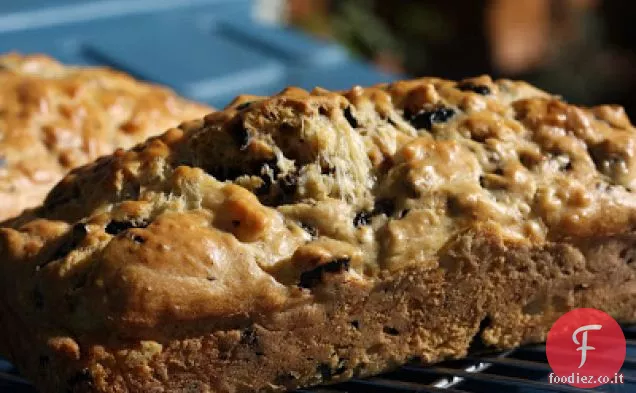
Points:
[(522, 370)]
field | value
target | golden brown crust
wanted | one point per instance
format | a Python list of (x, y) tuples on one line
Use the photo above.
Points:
[(243, 244), (54, 118)]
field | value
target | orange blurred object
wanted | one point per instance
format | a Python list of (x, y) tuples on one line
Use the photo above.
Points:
[(519, 32)]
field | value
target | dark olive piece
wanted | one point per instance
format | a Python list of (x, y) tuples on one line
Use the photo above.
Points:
[(116, 227), (384, 206), (362, 218), (138, 239), (470, 86), (426, 119), (244, 105), (313, 277), (239, 134), (288, 183), (309, 229), (391, 331), (353, 122)]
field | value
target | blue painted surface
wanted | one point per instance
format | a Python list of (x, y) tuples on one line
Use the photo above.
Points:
[(18, 15), (207, 66), (289, 46)]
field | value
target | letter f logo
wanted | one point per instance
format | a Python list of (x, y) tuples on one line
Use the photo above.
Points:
[(584, 347)]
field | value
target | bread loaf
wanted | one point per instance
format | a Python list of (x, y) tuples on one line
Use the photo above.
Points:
[(313, 237), (55, 117)]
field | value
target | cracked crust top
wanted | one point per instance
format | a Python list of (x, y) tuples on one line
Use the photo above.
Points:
[(243, 212), (55, 117)]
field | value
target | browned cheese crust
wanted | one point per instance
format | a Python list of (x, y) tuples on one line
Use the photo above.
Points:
[(312, 237), (54, 118)]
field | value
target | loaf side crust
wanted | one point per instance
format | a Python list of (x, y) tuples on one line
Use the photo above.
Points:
[(350, 329)]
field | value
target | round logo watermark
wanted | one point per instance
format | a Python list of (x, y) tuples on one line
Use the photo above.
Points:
[(586, 348)]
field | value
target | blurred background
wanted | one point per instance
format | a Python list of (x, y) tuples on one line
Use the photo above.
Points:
[(581, 49), (211, 50)]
